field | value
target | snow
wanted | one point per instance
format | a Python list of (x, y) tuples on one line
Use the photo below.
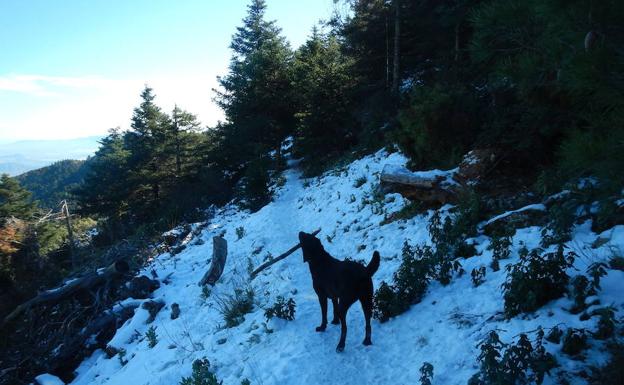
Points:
[(445, 177), (536, 207), (48, 379), (444, 329)]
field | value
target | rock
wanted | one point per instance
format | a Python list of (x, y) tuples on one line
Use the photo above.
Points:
[(221, 341), (140, 287), (153, 307), (175, 311)]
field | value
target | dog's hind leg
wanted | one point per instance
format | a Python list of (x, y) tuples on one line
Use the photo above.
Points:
[(323, 303), (336, 319), (343, 307), (367, 307)]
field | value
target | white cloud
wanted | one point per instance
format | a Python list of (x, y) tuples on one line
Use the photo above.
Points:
[(67, 107)]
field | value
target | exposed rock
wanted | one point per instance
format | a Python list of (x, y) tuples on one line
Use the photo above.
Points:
[(175, 311), (153, 307), (140, 287)]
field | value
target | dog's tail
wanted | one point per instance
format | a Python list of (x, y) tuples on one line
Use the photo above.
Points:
[(373, 265)]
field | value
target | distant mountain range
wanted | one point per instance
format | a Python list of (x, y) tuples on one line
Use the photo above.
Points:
[(25, 155)]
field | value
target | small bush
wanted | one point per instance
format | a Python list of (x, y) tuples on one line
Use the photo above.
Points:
[(282, 309), (152, 337), (202, 375), (579, 291), (410, 283), (121, 356), (234, 307), (206, 290), (574, 342), (519, 363), (606, 323), (359, 182), (478, 276), (240, 232), (559, 228), (426, 373), (449, 236), (555, 335), (500, 247), (535, 280), (245, 381)]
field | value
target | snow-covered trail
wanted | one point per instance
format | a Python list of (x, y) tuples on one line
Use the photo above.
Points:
[(444, 329)]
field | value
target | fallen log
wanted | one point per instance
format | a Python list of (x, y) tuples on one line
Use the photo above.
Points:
[(427, 186), (58, 294), (279, 258), (219, 257)]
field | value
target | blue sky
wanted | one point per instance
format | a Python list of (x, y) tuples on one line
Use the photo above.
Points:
[(74, 68)]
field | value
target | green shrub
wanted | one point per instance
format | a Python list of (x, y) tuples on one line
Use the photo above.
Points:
[(501, 249), (410, 283), (151, 336), (558, 229), (606, 323), (234, 307), (426, 373), (535, 280), (202, 375), (519, 363), (574, 342), (282, 309), (478, 276), (121, 356), (436, 126), (254, 190), (579, 291), (554, 335), (240, 232)]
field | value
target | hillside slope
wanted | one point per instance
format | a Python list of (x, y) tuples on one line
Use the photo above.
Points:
[(53, 183), (444, 329)]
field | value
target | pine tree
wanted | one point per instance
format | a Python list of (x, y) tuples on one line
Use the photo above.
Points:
[(184, 127), (256, 93), (15, 201), (325, 87), (105, 191), (148, 163)]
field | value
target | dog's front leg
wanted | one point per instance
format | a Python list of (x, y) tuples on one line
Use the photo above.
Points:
[(323, 303), (336, 319)]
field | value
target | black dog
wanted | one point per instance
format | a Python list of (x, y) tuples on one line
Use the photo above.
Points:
[(343, 281)]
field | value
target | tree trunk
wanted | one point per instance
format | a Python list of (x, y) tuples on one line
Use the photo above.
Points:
[(70, 235), (60, 293), (219, 257), (397, 34), (457, 28)]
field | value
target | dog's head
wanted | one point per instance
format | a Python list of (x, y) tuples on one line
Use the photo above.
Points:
[(311, 246)]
